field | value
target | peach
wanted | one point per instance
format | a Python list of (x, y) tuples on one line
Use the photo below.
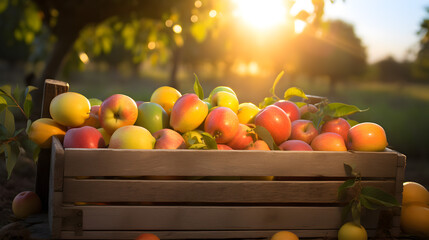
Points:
[(168, 139), (337, 125), (367, 136), (188, 113), (295, 145), (328, 142), (25, 204), (117, 111)]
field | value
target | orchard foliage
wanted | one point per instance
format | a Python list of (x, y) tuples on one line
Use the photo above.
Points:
[(14, 141)]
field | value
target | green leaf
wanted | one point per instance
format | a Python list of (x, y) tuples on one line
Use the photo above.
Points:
[(28, 105), (345, 211), (294, 91), (17, 93), (341, 109), (350, 170), (3, 5), (3, 133), (198, 89), (276, 81), (6, 89), (198, 146), (26, 100), (378, 196), (7, 119), (347, 184), (31, 148), (356, 211), (3, 103), (267, 101), (12, 153), (266, 137), (209, 140), (366, 203), (352, 122)]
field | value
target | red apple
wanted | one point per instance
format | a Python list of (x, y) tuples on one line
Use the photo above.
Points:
[(223, 147), (188, 113), (25, 204), (117, 111), (367, 136), (147, 236), (290, 108), (328, 142), (242, 138), (337, 125), (222, 123), (303, 130), (295, 145), (168, 139), (276, 121), (83, 137), (259, 145)]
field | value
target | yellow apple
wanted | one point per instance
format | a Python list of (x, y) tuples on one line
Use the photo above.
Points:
[(132, 137), (70, 109)]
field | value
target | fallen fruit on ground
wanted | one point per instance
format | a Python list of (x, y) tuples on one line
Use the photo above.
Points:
[(414, 193), (352, 231), (415, 220), (25, 204)]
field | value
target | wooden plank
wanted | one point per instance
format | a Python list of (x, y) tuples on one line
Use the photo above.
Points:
[(123, 235), (211, 218), (125, 162), (400, 176), (57, 166), (54, 214), (102, 190), (51, 89)]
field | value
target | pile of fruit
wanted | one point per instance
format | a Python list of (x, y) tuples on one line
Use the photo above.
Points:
[(171, 120)]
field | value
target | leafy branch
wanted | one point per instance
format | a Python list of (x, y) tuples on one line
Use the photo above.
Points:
[(15, 142), (359, 196)]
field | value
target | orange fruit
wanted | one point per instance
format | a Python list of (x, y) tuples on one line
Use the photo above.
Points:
[(42, 130), (414, 193), (166, 97), (415, 219), (284, 235)]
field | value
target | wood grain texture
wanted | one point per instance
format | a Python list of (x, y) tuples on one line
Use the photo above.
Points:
[(96, 190), (211, 218), (57, 166), (130, 235), (116, 162)]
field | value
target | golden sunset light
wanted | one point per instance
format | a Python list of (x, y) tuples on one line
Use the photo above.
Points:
[(260, 14)]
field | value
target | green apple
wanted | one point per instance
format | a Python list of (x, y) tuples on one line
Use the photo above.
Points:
[(152, 116)]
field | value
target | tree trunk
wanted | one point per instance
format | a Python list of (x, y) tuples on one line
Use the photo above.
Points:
[(63, 45), (175, 67)]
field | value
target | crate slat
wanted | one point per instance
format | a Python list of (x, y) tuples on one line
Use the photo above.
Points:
[(211, 218), (125, 162), (103, 190)]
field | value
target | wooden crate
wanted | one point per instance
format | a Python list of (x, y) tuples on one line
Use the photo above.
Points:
[(302, 200)]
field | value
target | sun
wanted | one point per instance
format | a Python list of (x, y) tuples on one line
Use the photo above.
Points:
[(261, 14)]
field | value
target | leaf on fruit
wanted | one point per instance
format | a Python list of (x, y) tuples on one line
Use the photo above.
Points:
[(209, 140), (366, 203), (12, 153), (8, 121), (198, 146), (352, 122), (379, 197), (198, 89), (341, 109), (294, 92), (276, 81), (266, 137), (343, 187), (267, 101)]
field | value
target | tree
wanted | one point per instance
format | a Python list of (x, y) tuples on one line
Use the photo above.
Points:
[(421, 69), (389, 70), (333, 50)]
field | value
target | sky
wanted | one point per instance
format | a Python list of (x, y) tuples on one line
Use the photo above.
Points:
[(386, 27)]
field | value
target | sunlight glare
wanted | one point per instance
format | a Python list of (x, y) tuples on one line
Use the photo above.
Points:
[(261, 14), (300, 5), (299, 26)]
